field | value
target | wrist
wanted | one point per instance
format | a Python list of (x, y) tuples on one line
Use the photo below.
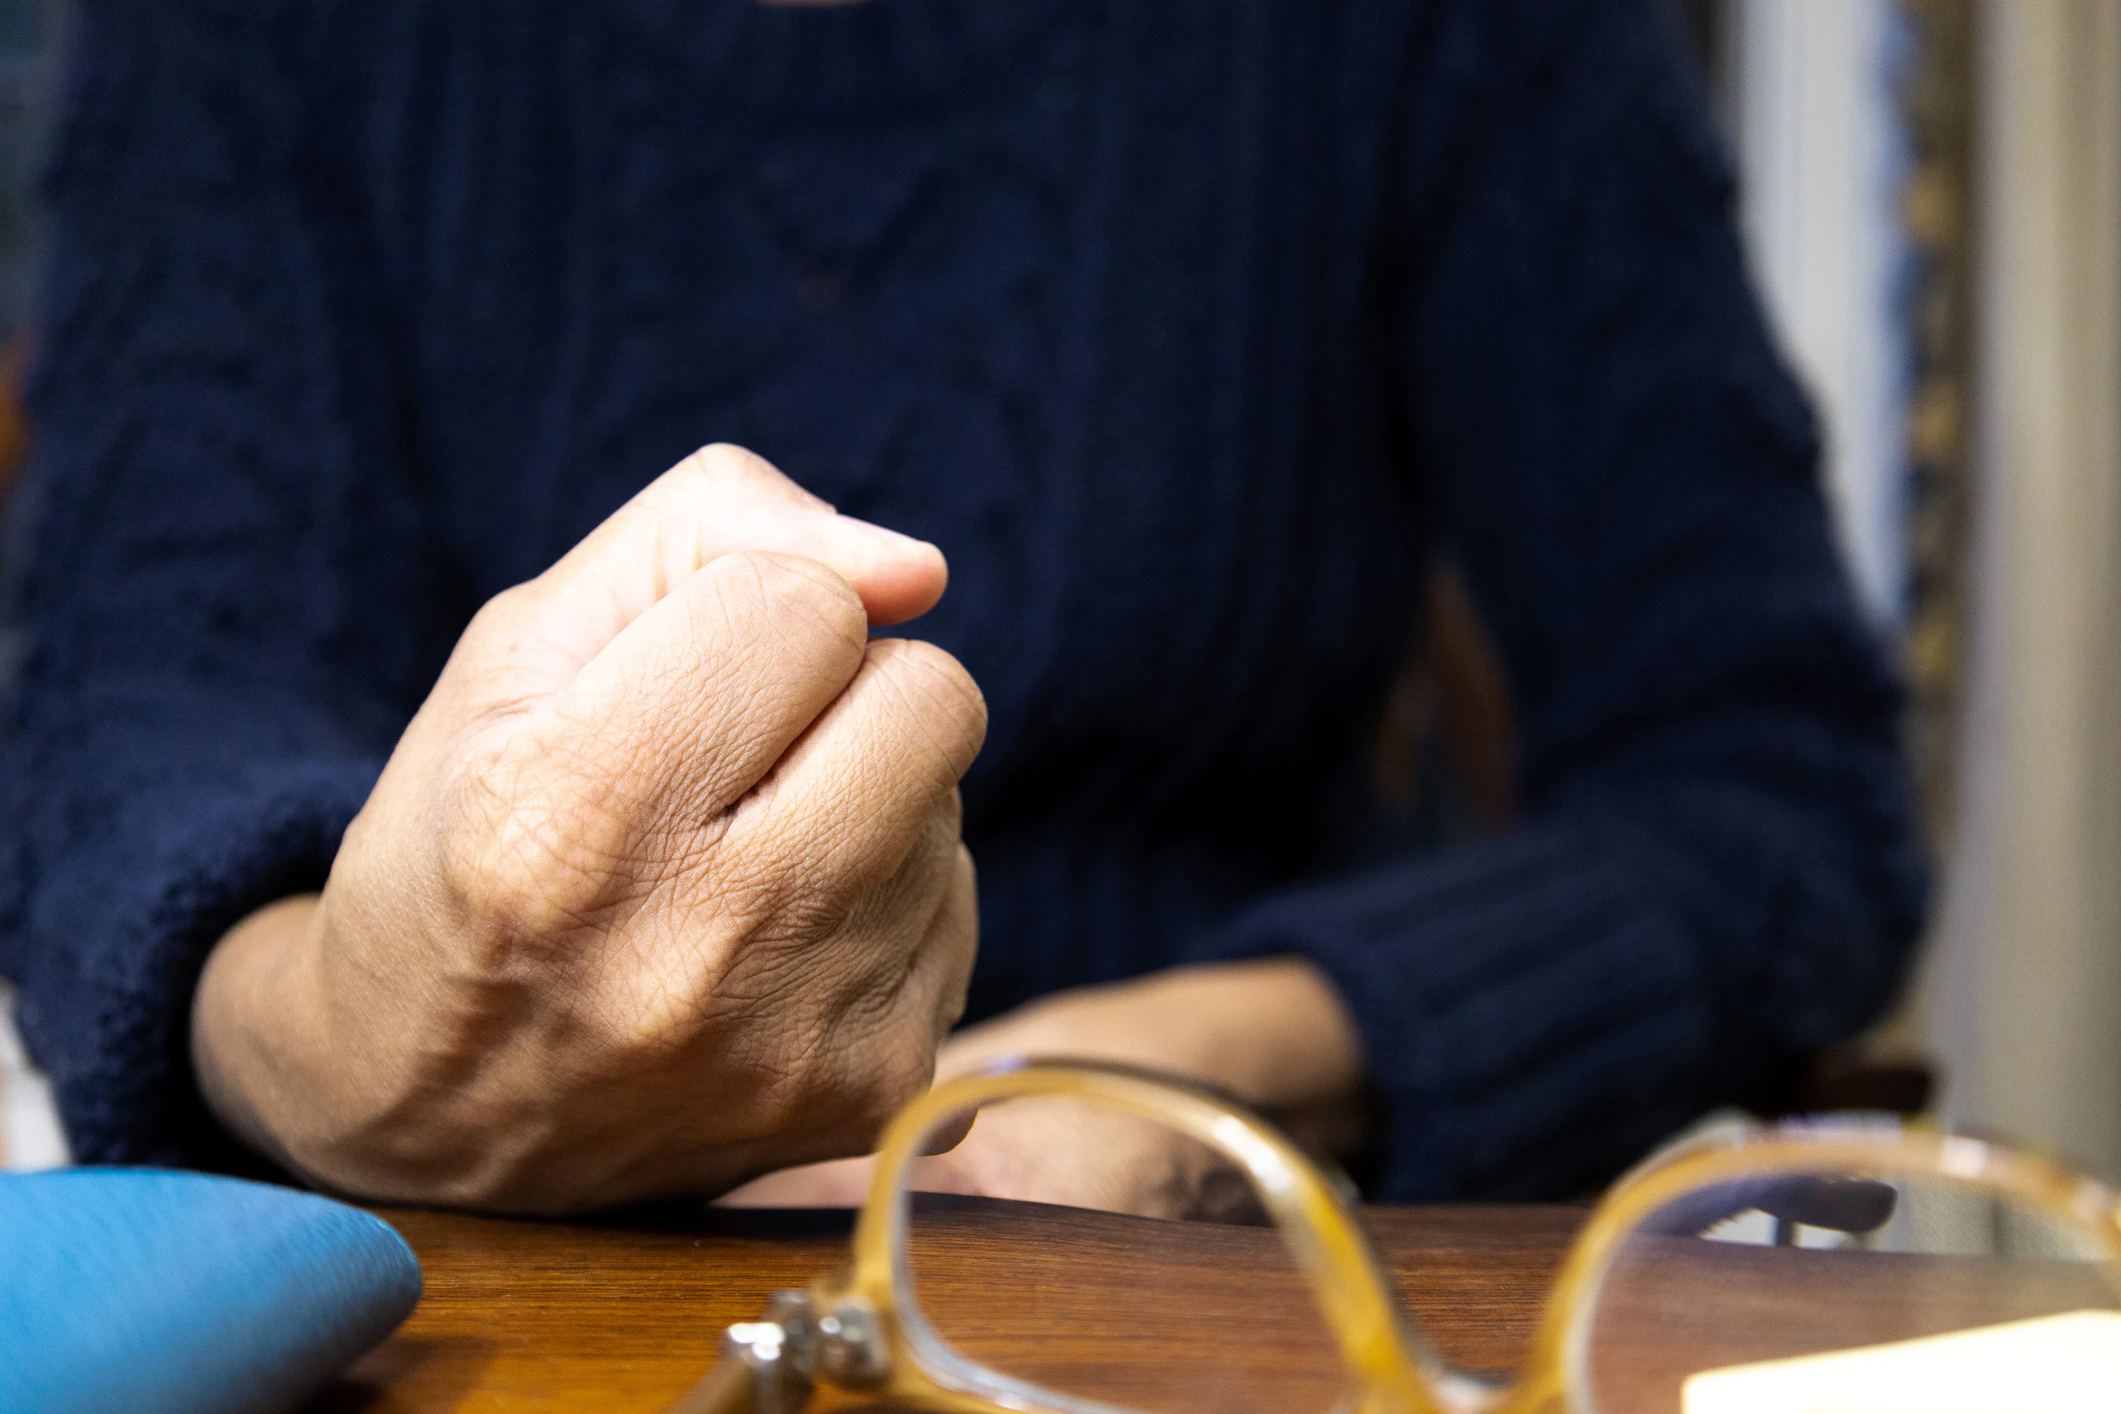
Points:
[(1272, 1033), (247, 1014)]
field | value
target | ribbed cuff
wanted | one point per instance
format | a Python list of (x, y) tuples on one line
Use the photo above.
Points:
[(117, 944), (1531, 1021)]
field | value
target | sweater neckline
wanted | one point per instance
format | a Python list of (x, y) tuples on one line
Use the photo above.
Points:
[(833, 58)]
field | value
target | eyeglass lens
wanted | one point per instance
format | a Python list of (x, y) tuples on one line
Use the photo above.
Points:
[(1838, 1265), (1140, 1274)]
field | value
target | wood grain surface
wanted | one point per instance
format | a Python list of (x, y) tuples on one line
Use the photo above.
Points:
[(625, 1316), (1674, 1306), (1174, 1318)]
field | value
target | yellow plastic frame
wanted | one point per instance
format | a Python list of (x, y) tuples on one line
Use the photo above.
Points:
[(1391, 1370)]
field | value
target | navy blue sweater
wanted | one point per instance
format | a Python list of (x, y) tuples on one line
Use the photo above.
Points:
[(1190, 330)]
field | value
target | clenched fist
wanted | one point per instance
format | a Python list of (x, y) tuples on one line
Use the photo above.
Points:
[(661, 889)]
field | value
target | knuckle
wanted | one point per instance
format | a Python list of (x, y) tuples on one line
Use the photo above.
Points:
[(800, 597), (938, 693), (501, 618), (515, 895), (525, 863), (721, 472), (721, 462)]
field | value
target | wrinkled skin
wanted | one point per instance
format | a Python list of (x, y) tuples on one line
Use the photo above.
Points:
[(661, 889)]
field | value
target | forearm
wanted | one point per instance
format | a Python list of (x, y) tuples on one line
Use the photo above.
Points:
[(1273, 1033), (240, 1020)]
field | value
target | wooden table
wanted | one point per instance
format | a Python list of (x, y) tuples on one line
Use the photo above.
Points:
[(523, 1316), (1158, 1316)]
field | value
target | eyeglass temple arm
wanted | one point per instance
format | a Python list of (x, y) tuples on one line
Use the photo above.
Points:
[(765, 1366), (727, 1389), (1853, 1205)]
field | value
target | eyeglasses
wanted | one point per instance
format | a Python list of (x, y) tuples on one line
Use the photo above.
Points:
[(1728, 1274)]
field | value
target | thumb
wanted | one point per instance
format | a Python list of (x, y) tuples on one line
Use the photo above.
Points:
[(724, 498), (718, 501)]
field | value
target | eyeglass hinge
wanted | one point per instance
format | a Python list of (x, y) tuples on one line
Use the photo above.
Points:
[(779, 1352), (787, 1349), (850, 1345)]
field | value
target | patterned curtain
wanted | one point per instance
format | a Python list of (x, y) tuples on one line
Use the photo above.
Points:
[(1937, 99)]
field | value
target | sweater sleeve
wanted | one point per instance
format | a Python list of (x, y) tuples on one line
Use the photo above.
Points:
[(1717, 871), (231, 601)]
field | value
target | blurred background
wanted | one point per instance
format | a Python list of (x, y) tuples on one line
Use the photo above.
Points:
[(1931, 194), (29, 1134), (1932, 198)]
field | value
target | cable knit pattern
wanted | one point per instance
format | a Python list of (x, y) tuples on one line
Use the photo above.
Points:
[(1187, 329)]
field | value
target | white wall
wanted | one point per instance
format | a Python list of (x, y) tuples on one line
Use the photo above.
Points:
[(29, 1128), (2020, 1001), (1817, 142), (2024, 985)]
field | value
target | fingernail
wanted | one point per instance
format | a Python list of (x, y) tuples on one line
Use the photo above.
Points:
[(895, 537)]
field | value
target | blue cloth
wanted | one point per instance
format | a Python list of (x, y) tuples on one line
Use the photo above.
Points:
[(1191, 331), (184, 1293)]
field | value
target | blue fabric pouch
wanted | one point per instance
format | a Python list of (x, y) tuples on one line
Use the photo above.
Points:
[(138, 1289)]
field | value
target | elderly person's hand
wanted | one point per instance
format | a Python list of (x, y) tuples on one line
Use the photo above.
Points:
[(1271, 1033), (661, 889)]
